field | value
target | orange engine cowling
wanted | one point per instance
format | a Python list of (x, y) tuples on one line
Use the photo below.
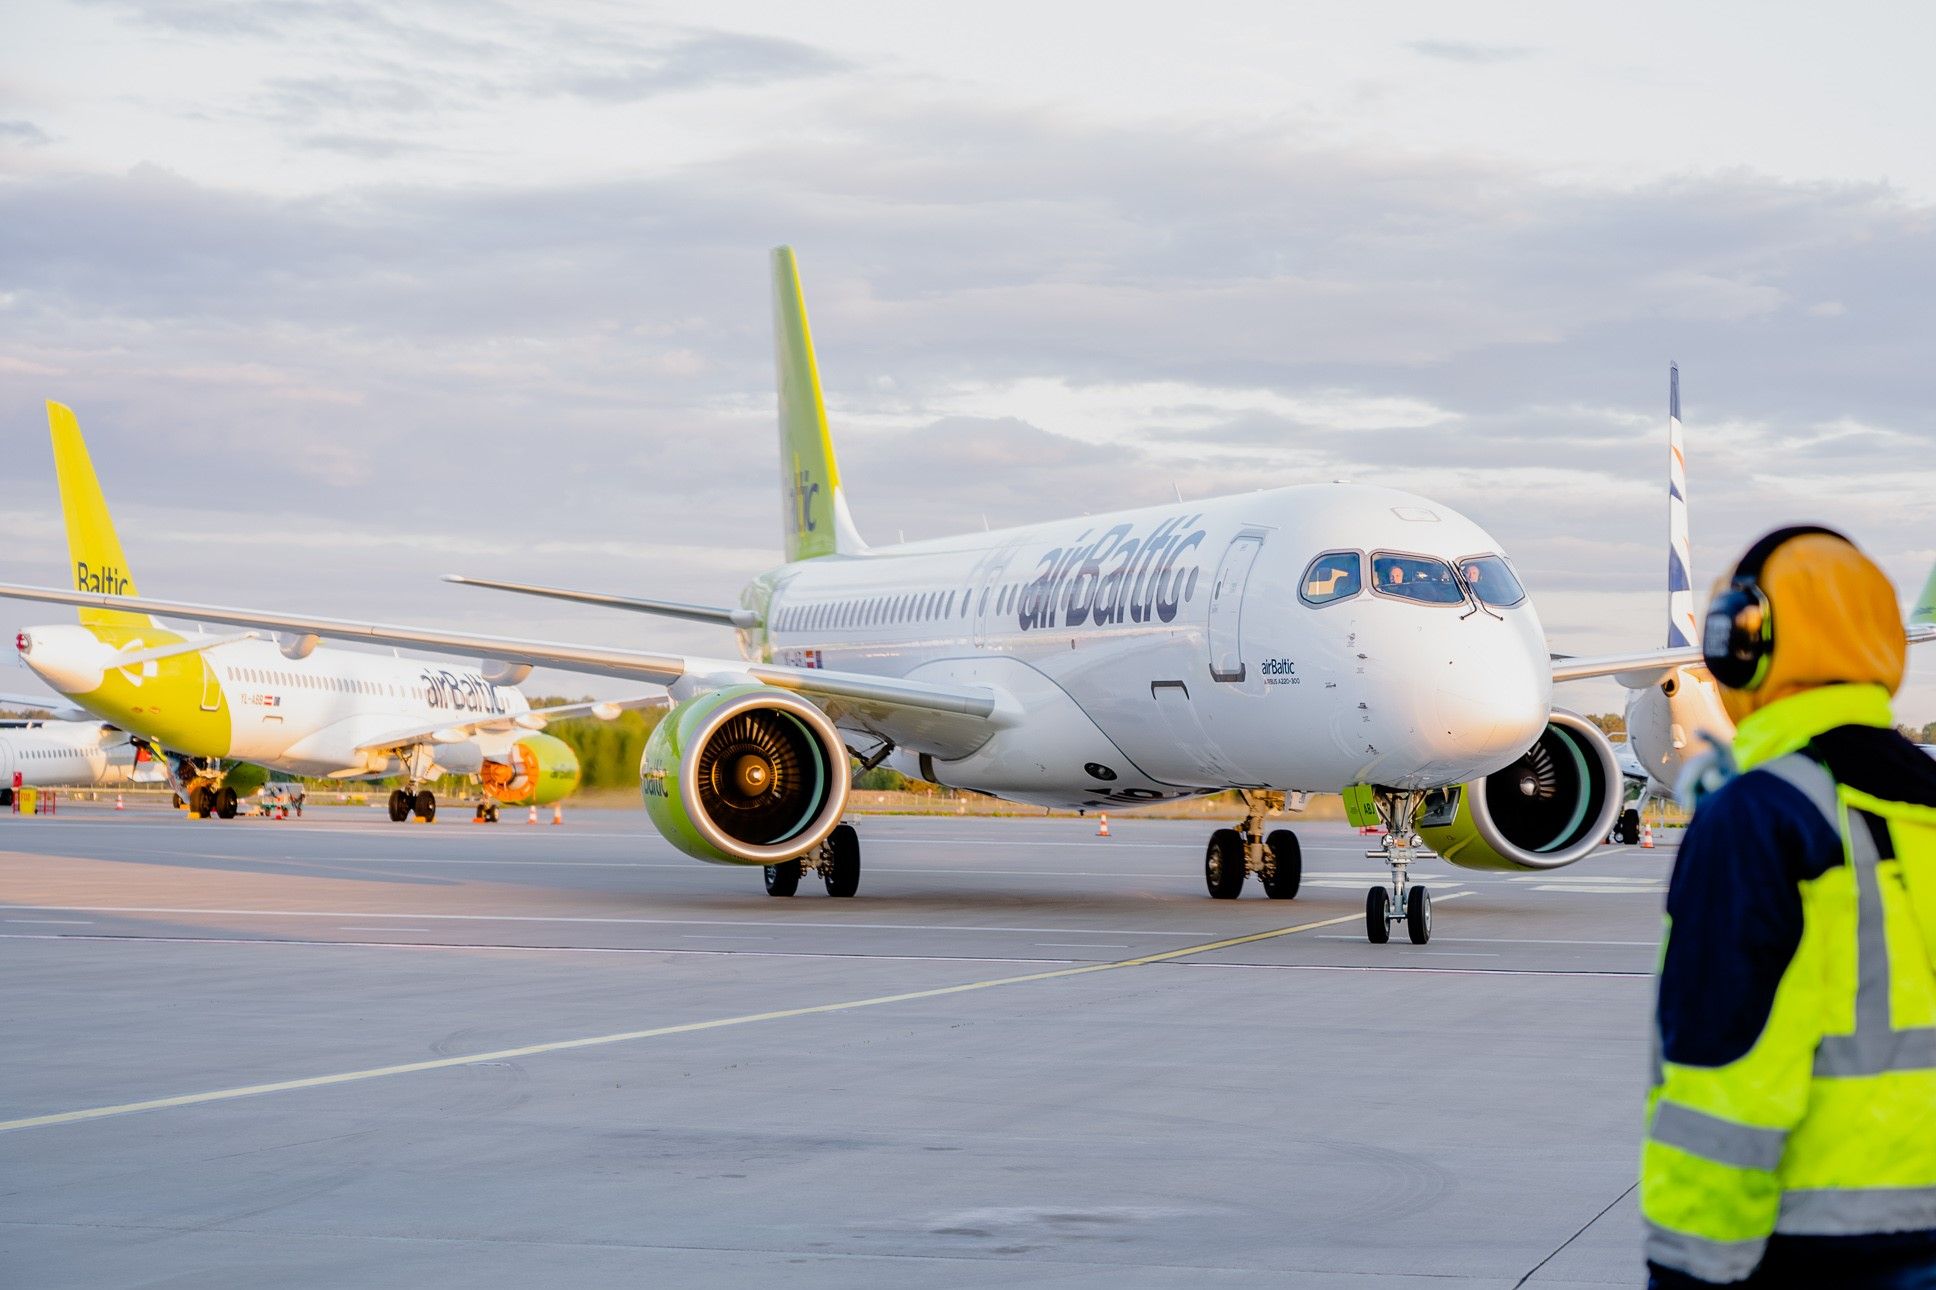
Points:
[(538, 770)]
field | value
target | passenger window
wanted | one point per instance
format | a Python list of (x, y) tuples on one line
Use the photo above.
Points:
[(1416, 577), (1335, 575)]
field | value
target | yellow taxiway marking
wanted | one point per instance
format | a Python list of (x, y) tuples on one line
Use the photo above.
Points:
[(656, 1032)]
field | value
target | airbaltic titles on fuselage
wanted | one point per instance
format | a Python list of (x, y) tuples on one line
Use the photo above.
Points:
[(1144, 582), (465, 692)]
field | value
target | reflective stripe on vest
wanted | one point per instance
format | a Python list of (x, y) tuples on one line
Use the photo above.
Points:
[(1717, 1261), (1875, 1047), (1708, 1136)]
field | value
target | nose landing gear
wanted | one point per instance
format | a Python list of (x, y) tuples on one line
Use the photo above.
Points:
[(1234, 854), (1401, 902)]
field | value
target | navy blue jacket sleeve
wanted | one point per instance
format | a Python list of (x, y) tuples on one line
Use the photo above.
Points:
[(1737, 915)]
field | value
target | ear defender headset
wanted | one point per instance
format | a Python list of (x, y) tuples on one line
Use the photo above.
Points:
[(1738, 638)]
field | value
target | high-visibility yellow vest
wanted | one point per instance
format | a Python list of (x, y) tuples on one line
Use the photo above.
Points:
[(1827, 1125)]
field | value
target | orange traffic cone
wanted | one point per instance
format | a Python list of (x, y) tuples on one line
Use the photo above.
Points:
[(557, 813), (119, 805), (1646, 837), (533, 817), (1102, 829)]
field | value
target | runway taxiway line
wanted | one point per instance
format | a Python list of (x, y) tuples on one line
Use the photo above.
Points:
[(656, 1032)]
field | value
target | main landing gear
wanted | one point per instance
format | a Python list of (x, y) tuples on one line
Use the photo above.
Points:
[(405, 803), (210, 801), (1401, 902), (486, 812), (1234, 854), (837, 861)]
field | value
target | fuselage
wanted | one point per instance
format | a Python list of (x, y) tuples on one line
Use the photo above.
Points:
[(1668, 724), (64, 754), (310, 715), (1303, 638)]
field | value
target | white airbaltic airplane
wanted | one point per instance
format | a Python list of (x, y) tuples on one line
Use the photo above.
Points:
[(1317, 638), (69, 754), (289, 704)]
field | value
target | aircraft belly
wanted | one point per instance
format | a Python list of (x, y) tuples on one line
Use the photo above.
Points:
[(1054, 756)]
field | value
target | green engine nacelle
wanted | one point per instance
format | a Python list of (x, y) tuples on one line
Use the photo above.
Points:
[(745, 775), (537, 771), (1549, 808)]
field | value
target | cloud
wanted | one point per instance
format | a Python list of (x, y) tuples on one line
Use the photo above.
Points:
[(1018, 314), (1467, 51), (24, 132), (700, 61), (373, 147)]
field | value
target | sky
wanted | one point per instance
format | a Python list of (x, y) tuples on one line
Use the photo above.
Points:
[(351, 295)]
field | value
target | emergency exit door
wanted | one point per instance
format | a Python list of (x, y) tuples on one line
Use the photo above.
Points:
[(1227, 606)]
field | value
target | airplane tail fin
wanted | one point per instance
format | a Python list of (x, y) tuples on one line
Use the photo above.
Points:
[(815, 519), (1680, 584), (94, 552), (1924, 614)]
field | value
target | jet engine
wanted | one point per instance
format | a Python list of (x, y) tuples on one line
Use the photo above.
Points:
[(537, 770), (1549, 808), (745, 775)]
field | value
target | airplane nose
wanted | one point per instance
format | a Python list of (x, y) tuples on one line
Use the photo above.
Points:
[(1492, 701)]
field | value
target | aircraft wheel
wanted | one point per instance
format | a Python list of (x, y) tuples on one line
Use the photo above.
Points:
[(177, 796), (783, 879), (201, 801), (399, 808), (1377, 930), (1418, 915), (1285, 871), (1223, 865), (425, 806), (225, 802), (842, 874), (1629, 829)]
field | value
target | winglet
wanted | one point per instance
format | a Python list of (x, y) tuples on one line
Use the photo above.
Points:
[(95, 562), (815, 519)]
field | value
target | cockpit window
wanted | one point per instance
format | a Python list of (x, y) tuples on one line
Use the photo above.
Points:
[(1492, 580), (1335, 575), (1416, 577)]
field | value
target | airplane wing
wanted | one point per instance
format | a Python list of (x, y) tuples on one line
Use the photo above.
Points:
[(533, 719), (1643, 668), (56, 709), (1636, 670), (195, 645), (667, 608), (950, 715)]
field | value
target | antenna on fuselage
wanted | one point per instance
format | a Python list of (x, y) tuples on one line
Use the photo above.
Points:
[(1177, 489)]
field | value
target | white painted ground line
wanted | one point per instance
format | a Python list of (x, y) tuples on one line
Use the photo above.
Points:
[(629, 1036)]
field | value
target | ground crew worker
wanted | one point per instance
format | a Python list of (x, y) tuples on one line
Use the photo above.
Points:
[(1791, 1128)]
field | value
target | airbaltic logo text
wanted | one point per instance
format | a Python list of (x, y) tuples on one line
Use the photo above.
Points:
[(467, 692), (1115, 579), (1278, 671), (800, 491), (109, 581)]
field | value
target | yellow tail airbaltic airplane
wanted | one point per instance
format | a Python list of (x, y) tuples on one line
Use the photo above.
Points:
[(284, 701), (1329, 637)]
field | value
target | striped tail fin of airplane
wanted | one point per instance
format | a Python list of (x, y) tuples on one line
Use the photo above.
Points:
[(815, 518), (1680, 584), (93, 549)]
